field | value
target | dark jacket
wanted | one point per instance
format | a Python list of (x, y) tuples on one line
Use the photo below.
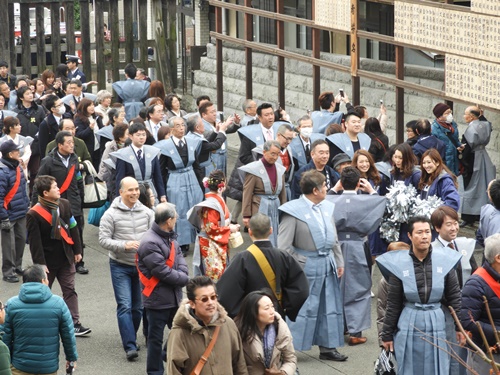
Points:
[(34, 322), (153, 252), (473, 307), (52, 165), (296, 191), (378, 146), (46, 250), (85, 133), (244, 276), (19, 204), (423, 277), (444, 188), (4, 358), (426, 142), (30, 120), (451, 143), (47, 132)]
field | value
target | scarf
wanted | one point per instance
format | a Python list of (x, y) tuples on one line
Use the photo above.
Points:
[(53, 208), (269, 340), (445, 125)]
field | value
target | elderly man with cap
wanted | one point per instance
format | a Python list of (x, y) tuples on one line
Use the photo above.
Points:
[(320, 155), (14, 204), (446, 129)]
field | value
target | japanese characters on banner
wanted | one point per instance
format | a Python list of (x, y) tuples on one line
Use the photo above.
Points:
[(458, 34), (472, 80), (486, 6), (333, 14)]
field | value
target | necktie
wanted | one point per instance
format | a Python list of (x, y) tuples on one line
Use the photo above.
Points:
[(308, 153), (451, 245), (139, 155), (181, 144), (269, 135)]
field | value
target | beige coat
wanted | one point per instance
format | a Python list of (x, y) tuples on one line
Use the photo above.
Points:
[(252, 188), (284, 357), (188, 340)]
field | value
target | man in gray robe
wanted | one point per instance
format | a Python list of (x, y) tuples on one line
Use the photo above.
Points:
[(350, 141), (356, 216), (264, 187), (307, 231), (329, 113), (478, 170), (131, 92), (489, 222), (301, 145)]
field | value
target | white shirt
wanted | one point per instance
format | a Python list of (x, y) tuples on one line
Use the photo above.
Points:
[(266, 131)]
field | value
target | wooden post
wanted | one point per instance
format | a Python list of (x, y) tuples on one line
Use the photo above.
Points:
[(129, 32), (219, 60), (171, 34), (316, 49), (55, 22), (280, 33), (69, 16), (114, 25), (13, 56), (25, 39), (5, 36), (40, 38), (143, 33), (354, 47), (99, 44), (248, 52), (85, 28), (400, 95)]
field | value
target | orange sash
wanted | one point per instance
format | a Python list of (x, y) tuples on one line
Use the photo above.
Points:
[(492, 283), (68, 179), (48, 217), (150, 284), (13, 191)]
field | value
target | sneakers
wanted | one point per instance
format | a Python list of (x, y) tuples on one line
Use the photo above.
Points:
[(81, 330), (132, 354)]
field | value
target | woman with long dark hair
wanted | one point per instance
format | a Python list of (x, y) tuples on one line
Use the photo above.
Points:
[(87, 123), (438, 180), (363, 161), (267, 341), (380, 142), (404, 166)]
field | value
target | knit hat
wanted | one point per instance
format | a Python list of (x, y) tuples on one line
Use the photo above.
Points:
[(340, 159), (439, 109)]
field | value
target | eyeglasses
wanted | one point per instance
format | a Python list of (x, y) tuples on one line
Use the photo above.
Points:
[(289, 139), (205, 299)]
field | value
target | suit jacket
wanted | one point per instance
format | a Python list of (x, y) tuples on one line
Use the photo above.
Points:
[(251, 189), (45, 250), (244, 276)]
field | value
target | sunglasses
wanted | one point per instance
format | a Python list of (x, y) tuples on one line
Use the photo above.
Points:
[(205, 299)]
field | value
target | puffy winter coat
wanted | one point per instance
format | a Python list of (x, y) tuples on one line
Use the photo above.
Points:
[(4, 359), (153, 252), (451, 142), (19, 204), (30, 120), (188, 340), (473, 308), (34, 322), (121, 224)]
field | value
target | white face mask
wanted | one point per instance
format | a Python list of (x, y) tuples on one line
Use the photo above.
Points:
[(449, 118), (61, 110), (306, 132)]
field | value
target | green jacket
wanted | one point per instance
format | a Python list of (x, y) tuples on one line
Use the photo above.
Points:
[(4, 359), (80, 149)]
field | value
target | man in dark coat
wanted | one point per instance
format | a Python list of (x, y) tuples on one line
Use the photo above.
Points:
[(63, 165), (49, 127), (14, 204), (57, 247), (426, 140), (485, 283), (244, 274)]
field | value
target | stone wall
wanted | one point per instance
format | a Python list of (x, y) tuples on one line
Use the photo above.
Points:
[(298, 86)]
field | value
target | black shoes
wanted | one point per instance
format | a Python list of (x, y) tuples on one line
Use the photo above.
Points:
[(19, 271), (132, 354), (464, 224), (82, 270), (81, 330), (334, 355), (11, 279)]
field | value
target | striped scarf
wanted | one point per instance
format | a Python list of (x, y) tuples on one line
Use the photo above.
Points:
[(53, 207)]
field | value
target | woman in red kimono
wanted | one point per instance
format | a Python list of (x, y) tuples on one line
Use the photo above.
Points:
[(213, 220)]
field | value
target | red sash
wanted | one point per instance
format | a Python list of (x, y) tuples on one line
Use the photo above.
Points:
[(492, 283), (48, 218), (150, 284), (68, 179), (13, 191)]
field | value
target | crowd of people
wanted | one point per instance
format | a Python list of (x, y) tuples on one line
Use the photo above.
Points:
[(311, 195)]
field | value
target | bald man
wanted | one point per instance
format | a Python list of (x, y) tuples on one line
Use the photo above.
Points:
[(478, 168)]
